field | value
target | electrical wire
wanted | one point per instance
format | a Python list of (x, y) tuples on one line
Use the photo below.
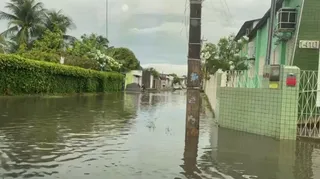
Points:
[(185, 21), (224, 9), (228, 10)]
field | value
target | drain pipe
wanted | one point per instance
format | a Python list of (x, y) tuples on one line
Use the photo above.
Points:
[(270, 32), (297, 34)]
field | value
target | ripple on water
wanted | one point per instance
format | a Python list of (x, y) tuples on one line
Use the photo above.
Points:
[(106, 137)]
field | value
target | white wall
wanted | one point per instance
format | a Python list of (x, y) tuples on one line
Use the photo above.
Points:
[(170, 81), (140, 81), (137, 72), (211, 90), (164, 83), (137, 79), (211, 85), (151, 81)]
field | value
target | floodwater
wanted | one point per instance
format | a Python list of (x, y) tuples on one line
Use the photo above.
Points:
[(136, 136)]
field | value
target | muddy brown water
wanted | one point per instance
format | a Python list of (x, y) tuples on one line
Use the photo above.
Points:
[(136, 136)]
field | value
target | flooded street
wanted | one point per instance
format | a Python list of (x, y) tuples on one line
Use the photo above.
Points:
[(138, 136)]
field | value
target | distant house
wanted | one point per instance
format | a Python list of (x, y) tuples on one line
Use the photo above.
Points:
[(149, 81), (166, 81), (183, 81), (133, 80)]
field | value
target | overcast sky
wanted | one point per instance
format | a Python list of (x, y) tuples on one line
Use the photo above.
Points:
[(156, 30)]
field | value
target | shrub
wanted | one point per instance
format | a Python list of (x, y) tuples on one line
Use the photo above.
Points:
[(41, 56), (19, 75), (83, 62)]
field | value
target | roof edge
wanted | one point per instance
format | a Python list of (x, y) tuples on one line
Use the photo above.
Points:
[(243, 28), (264, 19)]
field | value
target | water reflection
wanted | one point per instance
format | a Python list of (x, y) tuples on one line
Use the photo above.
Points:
[(137, 135), (38, 134), (190, 155), (242, 155)]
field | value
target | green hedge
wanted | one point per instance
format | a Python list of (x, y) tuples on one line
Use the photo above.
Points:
[(19, 75)]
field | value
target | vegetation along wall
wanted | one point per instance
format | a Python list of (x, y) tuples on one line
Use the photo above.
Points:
[(19, 75)]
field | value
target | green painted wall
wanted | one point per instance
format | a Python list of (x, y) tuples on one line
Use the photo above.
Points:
[(261, 47), (283, 49), (307, 59), (129, 78), (269, 112), (290, 44), (264, 40), (280, 49)]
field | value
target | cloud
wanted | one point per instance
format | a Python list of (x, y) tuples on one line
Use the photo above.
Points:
[(168, 68), (157, 6), (156, 30), (169, 27)]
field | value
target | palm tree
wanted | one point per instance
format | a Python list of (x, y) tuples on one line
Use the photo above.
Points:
[(58, 18), (3, 44), (103, 41), (63, 22), (25, 20)]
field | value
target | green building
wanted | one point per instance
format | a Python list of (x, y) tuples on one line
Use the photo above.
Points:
[(295, 39), (295, 42), (133, 80)]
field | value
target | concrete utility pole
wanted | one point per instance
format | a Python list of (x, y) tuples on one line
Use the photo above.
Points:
[(107, 18), (194, 70), (270, 33)]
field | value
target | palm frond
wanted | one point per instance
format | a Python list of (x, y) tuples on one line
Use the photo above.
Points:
[(36, 30), (69, 38), (13, 7), (58, 18), (7, 16), (22, 36), (39, 6), (17, 22), (10, 31)]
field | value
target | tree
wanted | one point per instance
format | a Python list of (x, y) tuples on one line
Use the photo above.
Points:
[(105, 62), (88, 44), (57, 18), (64, 23), (176, 79), (126, 57), (51, 41), (154, 72), (25, 20), (95, 41), (48, 47), (3, 44), (224, 55)]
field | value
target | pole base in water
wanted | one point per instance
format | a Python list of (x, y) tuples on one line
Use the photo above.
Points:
[(193, 112)]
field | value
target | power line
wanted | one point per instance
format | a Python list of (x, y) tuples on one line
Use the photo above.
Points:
[(186, 5), (227, 6), (224, 9)]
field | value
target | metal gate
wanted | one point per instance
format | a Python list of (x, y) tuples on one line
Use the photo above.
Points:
[(308, 112)]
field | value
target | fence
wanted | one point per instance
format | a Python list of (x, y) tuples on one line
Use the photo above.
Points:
[(309, 105), (242, 79), (245, 102)]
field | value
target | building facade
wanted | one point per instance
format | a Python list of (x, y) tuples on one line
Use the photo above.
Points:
[(133, 80), (166, 81), (295, 39), (295, 42)]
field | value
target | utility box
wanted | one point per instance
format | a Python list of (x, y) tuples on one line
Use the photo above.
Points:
[(291, 80), (275, 76)]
